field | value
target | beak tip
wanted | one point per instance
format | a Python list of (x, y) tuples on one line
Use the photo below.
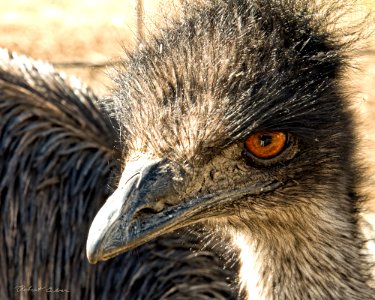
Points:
[(92, 260), (91, 254), (93, 248)]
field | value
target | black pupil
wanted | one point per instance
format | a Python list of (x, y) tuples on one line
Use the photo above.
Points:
[(265, 140)]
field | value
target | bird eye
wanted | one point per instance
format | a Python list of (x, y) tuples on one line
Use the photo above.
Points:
[(266, 144)]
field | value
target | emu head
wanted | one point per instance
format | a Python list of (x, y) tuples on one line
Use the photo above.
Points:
[(232, 116)]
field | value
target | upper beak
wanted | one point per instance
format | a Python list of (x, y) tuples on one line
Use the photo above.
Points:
[(146, 205), (125, 220)]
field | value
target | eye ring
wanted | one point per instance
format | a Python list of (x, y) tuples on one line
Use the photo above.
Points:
[(266, 144)]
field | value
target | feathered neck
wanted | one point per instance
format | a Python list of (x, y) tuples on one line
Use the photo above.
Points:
[(303, 254)]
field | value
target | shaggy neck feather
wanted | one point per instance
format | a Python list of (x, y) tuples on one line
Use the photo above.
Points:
[(314, 256)]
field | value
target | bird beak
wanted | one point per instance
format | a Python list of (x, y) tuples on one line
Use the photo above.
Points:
[(133, 214), (146, 205)]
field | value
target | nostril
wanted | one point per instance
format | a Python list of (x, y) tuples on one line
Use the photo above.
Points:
[(150, 209)]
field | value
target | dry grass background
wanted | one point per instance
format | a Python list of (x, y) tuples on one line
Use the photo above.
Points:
[(94, 31)]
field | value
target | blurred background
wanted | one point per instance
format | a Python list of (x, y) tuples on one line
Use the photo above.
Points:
[(79, 37), (86, 37)]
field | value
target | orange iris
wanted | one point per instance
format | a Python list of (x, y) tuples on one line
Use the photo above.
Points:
[(266, 144)]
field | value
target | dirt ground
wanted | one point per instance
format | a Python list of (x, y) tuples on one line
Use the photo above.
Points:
[(94, 31)]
